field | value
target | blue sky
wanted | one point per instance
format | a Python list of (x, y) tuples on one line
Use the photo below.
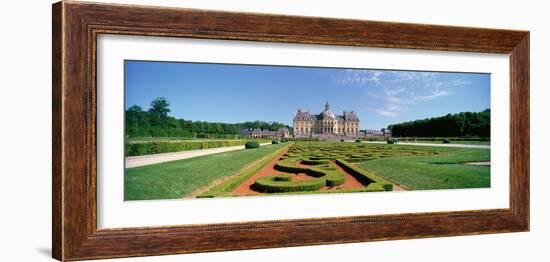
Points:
[(239, 93)]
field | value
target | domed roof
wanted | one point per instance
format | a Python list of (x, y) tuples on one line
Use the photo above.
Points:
[(327, 114)]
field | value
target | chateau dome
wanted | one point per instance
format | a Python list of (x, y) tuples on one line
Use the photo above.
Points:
[(327, 114)]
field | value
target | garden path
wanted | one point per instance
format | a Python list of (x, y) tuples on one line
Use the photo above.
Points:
[(135, 161)]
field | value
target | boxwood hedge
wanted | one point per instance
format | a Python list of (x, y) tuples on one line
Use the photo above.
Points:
[(289, 165), (374, 187), (364, 175), (271, 184), (224, 189), (252, 144), (149, 148), (315, 162)]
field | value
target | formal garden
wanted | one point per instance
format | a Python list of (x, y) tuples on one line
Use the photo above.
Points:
[(305, 167)]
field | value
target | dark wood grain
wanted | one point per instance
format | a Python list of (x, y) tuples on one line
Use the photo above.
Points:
[(76, 26), (57, 195)]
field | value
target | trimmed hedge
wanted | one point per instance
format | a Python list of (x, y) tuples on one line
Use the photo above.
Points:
[(275, 142), (335, 178), (224, 189), (252, 144), (270, 184), (282, 177), (374, 187), (289, 165), (334, 191), (329, 175), (364, 175), (315, 162), (149, 148)]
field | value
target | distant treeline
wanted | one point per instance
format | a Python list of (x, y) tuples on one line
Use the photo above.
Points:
[(463, 124), (155, 122)]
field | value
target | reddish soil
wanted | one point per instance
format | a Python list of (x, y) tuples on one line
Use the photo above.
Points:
[(246, 187), (351, 181)]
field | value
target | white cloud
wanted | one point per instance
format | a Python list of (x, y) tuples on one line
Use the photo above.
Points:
[(360, 77), (396, 92), (386, 113), (433, 95)]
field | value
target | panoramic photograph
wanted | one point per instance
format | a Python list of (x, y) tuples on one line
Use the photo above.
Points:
[(205, 130)]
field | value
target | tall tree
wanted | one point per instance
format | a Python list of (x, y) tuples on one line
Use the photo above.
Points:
[(159, 111)]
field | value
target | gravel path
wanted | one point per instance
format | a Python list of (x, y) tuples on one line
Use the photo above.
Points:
[(431, 144), (135, 161), (485, 163)]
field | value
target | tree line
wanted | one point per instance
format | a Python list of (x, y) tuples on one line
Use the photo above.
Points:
[(464, 124), (155, 122)]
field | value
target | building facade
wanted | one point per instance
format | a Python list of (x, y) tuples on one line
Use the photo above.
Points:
[(326, 124), (378, 133), (262, 133)]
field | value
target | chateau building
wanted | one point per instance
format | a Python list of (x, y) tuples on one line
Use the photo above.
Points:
[(326, 124), (377, 133), (262, 133)]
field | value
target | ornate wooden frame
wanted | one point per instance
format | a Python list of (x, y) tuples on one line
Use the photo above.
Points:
[(76, 26)]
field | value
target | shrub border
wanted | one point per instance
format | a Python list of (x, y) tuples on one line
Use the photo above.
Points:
[(224, 189), (364, 175)]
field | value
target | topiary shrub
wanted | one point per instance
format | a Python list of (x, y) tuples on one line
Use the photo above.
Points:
[(315, 162), (374, 187), (446, 141), (335, 178), (224, 189), (357, 140), (392, 141), (364, 175), (270, 184), (275, 142), (282, 177), (289, 165), (341, 140), (252, 144)]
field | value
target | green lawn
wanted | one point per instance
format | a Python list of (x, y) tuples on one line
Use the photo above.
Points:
[(465, 142), (442, 171), (177, 179)]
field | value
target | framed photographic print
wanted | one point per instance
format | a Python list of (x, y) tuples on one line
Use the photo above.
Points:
[(182, 130)]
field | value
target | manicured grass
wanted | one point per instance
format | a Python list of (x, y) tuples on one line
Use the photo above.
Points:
[(452, 142), (177, 179), (445, 170)]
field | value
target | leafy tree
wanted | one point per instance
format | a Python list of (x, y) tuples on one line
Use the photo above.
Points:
[(159, 111), (157, 123), (463, 124)]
